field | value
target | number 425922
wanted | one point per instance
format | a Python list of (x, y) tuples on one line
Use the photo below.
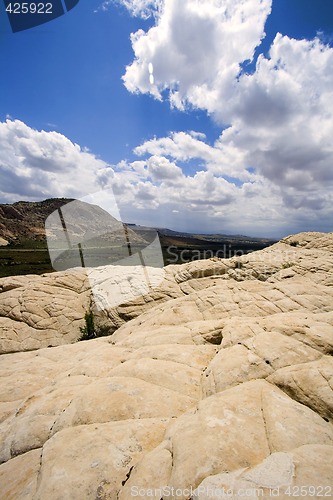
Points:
[(29, 8)]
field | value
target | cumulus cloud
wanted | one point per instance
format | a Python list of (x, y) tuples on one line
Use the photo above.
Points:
[(38, 164), (276, 122), (270, 171), (162, 169), (222, 158), (137, 8), (196, 48), (179, 145), (283, 120), (154, 190)]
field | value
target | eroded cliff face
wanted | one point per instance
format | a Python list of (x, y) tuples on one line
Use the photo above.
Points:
[(26, 220), (219, 379)]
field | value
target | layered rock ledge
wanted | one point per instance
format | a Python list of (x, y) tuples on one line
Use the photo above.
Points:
[(219, 379)]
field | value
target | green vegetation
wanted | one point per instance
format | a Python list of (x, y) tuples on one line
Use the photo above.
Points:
[(90, 331), (28, 257)]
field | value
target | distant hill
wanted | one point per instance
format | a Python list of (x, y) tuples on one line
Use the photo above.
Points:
[(198, 239), (25, 220), (85, 234), (57, 234)]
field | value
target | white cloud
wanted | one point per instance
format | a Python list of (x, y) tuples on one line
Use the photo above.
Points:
[(283, 121), (138, 8), (198, 135), (222, 158), (38, 164), (179, 145), (280, 117), (154, 191), (269, 173), (161, 169), (196, 48)]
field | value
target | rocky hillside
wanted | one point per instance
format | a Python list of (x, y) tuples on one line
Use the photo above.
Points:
[(25, 220), (218, 379)]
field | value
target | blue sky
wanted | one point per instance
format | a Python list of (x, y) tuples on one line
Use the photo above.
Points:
[(246, 174), (68, 73)]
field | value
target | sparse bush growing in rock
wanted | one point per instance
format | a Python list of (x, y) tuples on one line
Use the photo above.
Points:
[(90, 331)]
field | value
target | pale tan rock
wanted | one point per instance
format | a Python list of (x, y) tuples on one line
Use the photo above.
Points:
[(312, 240), (137, 409), (239, 428), (303, 472), (311, 329), (152, 336), (233, 366), (40, 311), (105, 455), (314, 465), (24, 374), (258, 353), (18, 477), (110, 399), (162, 373), (310, 383), (12, 282), (43, 311), (150, 476), (278, 350), (193, 356), (122, 398), (31, 425), (304, 254), (181, 317)]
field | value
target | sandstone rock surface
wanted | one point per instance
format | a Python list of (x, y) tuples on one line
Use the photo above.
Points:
[(42, 311), (220, 379)]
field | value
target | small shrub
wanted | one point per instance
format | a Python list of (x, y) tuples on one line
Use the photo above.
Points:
[(89, 331)]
